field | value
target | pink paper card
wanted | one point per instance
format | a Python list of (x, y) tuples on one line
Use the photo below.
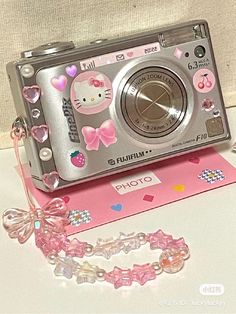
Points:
[(105, 200)]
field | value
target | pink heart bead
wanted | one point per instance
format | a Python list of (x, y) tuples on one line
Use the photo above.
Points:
[(31, 93), (59, 82), (71, 70), (51, 180), (40, 133)]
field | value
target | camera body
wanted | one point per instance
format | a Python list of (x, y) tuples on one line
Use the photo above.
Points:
[(117, 104)]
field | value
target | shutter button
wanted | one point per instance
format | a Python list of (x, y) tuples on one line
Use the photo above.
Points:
[(48, 48)]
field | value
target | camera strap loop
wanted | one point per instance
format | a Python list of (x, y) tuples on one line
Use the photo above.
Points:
[(48, 224)]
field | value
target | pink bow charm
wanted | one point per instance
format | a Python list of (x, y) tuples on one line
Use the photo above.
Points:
[(106, 134), (20, 223), (95, 83)]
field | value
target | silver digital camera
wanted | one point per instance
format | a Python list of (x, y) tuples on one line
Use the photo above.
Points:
[(117, 104)]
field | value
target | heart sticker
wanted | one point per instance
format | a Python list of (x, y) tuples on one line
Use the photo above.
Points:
[(59, 82), (31, 93), (51, 180), (130, 54), (71, 70), (117, 207), (194, 160), (40, 133)]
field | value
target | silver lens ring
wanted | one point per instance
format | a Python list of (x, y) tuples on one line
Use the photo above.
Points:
[(153, 102)]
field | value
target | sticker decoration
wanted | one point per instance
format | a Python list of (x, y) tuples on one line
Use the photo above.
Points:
[(77, 159), (91, 92), (78, 217), (40, 133), (31, 93), (51, 180), (178, 53), (208, 104), (204, 80), (211, 176), (106, 134), (59, 82), (71, 70)]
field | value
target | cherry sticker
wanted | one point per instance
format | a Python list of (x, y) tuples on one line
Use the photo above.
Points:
[(204, 81), (91, 92)]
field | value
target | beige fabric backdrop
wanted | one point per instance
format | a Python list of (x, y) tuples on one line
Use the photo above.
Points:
[(28, 23)]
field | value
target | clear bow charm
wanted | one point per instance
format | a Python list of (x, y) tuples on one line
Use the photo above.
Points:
[(20, 224)]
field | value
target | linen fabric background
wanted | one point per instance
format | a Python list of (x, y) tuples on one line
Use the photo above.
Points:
[(27, 23)]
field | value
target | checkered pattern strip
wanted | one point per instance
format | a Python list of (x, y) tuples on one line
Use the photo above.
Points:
[(78, 217), (211, 176)]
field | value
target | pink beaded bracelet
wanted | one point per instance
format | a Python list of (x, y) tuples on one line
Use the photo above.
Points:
[(48, 225)]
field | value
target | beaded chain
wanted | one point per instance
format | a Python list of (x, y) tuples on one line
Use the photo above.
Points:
[(49, 227)]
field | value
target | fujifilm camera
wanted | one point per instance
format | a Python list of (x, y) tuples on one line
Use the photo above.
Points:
[(114, 105)]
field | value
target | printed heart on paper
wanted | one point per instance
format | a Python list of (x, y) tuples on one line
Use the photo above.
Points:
[(66, 199), (51, 180), (40, 133), (71, 70), (59, 82), (194, 160), (130, 54), (117, 207), (31, 93)]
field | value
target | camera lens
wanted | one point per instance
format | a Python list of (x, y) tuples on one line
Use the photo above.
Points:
[(153, 102), (199, 51)]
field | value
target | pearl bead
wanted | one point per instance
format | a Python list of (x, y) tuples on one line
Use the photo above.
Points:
[(142, 238), (45, 154), (100, 275), (157, 267), (52, 258), (27, 71), (89, 250)]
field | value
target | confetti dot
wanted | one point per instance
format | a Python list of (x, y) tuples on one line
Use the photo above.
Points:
[(179, 188), (148, 198)]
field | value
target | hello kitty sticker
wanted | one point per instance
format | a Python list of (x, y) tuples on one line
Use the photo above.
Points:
[(91, 92)]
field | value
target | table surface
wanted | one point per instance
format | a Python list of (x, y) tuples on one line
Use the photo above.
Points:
[(207, 222)]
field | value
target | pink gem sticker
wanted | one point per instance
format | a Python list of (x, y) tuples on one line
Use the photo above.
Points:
[(91, 92), (40, 133), (51, 180), (31, 93), (178, 53), (204, 81)]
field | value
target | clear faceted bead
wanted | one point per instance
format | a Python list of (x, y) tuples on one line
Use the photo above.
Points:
[(171, 260)]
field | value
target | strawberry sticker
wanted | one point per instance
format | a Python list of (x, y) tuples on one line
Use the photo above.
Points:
[(77, 159)]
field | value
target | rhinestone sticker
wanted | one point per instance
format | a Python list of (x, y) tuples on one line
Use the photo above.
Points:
[(35, 113)]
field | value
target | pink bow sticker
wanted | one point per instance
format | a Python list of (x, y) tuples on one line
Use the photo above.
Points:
[(95, 83), (106, 134)]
